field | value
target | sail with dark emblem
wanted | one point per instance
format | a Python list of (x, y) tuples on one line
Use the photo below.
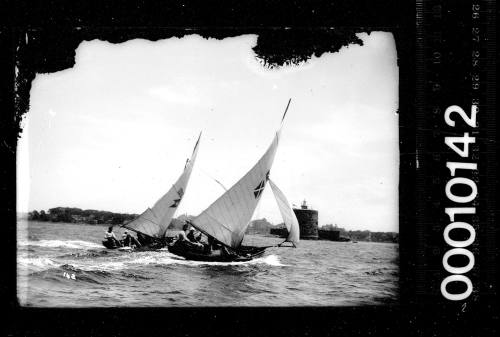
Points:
[(227, 218), (154, 221)]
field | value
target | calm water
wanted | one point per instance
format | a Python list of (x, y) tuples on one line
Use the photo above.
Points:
[(64, 265)]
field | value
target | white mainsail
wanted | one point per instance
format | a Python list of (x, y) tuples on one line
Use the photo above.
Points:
[(289, 218), (227, 218), (154, 221)]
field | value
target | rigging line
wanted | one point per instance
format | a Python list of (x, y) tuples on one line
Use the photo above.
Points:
[(218, 182), (281, 244)]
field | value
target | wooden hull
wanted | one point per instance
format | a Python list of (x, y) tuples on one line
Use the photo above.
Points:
[(110, 245), (191, 252)]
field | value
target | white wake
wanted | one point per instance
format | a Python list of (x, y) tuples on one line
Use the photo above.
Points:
[(73, 244)]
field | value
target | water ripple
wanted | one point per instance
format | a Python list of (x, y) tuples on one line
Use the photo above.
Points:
[(62, 265)]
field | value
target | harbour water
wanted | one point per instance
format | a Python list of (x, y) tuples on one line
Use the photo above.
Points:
[(65, 265)]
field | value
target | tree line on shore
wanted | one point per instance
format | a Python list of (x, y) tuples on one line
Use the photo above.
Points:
[(77, 215), (258, 226), (262, 226), (365, 235)]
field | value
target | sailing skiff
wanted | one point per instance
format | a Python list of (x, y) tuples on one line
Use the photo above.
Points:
[(153, 222), (227, 218)]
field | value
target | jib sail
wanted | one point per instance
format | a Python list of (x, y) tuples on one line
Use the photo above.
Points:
[(289, 218)]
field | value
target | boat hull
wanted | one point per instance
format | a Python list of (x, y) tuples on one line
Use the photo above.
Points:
[(191, 252), (110, 245), (155, 246)]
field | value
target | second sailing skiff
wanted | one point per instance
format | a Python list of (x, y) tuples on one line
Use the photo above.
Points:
[(153, 222), (228, 217)]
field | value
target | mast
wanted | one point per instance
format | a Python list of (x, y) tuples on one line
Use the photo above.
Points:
[(227, 218)]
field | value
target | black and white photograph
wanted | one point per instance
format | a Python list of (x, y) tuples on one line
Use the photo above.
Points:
[(187, 172), (294, 168)]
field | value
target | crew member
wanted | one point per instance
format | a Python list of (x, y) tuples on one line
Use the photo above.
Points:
[(186, 234), (182, 236), (129, 240), (191, 236), (212, 245), (111, 237)]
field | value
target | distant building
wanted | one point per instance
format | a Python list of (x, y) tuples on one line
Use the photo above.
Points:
[(260, 226), (279, 231), (308, 222), (329, 235)]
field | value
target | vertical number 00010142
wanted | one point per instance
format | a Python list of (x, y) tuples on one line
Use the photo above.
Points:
[(459, 247)]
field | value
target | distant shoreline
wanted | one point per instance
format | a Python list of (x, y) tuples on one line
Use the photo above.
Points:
[(78, 215), (72, 215), (173, 230)]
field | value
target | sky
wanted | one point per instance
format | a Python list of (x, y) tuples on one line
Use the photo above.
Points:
[(113, 132)]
